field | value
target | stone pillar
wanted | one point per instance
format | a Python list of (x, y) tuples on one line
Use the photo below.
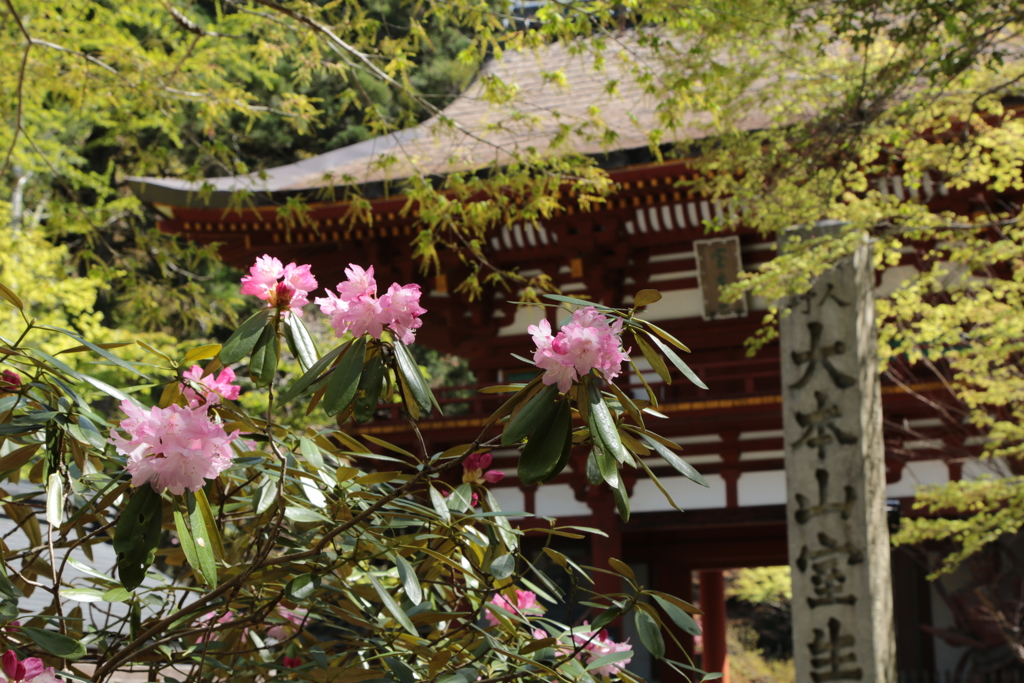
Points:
[(835, 480), (712, 603)]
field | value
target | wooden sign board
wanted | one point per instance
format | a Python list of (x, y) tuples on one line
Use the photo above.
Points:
[(718, 264)]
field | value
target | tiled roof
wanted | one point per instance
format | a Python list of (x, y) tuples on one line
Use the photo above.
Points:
[(485, 133)]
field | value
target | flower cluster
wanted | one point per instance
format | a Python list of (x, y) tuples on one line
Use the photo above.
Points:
[(526, 603), (31, 670), (587, 342), (210, 390), (173, 448), (357, 309), (596, 646), (282, 287), (10, 380), (474, 470)]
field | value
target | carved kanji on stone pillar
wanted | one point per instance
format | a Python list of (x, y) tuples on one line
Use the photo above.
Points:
[(835, 477)]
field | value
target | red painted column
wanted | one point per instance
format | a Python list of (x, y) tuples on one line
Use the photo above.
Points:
[(712, 603)]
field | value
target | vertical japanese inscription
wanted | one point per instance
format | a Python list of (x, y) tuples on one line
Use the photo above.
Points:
[(838, 541)]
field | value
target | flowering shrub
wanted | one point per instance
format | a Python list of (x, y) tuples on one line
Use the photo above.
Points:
[(244, 551)]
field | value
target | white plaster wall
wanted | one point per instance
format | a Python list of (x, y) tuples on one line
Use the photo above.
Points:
[(687, 495), (915, 474), (681, 303), (761, 488), (559, 500), (510, 498), (525, 316)]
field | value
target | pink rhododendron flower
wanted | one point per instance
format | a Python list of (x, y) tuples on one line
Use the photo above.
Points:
[(526, 603), (357, 309), (10, 380), (173, 448), (31, 670), (211, 390), (284, 287), (587, 342), (282, 631), (203, 622), (401, 311), (291, 662), (473, 470), (600, 646)]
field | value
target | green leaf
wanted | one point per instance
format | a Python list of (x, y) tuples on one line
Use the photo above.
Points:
[(241, 343), (530, 416), (606, 617), (302, 587), (82, 594), (684, 468), (621, 496), (503, 567), (607, 466), (681, 618), (609, 658), (393, 606), (297, 514), (370, 386), (100, 351), (576, 302), (264, 497), (413, 378), (341, 387), (117, 594), (137, 536), (302, 383), (263, 363), (54, 643), (645, 297), (319, 656), (666, 336), (656, 361), (410, 582), (202, 352), (593, 472), (650, 634), (7, 293), (300, 343), (461, 498), (440, 505), (602, 424), (54, 500), (188, 546), (677, 361), (547, 451), (311, 453), (204, 545)]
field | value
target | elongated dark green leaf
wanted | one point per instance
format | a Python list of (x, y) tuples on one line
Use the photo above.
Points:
[(264, 497), (300, 343), (302, 587), (201, 536), (621, 496), (677, 361), (650, 634), (98, 350), (241, 343), (341, 387), (666, 336), (461, 499), (302, 383), (55, 643), (602, 425), (530, 416), (593, 472), (370, 385), (608, 466), (392, 606), (656, 361), (576, 302), (681, 618), (544, 452), (410, 582), (684, 468), (510, 405), (188, 546), (413, 378), (137, 536), (311, 453), (263, 363), (440, 505)]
